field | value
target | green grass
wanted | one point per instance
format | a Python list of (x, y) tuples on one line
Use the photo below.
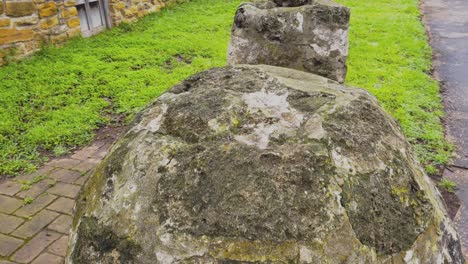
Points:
[(390, 57), (54, 101), (448, 185)]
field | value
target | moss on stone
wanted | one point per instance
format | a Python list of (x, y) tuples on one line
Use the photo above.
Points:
[(259, 164)]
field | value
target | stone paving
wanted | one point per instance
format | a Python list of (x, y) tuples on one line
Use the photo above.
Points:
[(36, 210)]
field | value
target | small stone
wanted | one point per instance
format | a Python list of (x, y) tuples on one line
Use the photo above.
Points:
[(26, 21), (131, 12), (60, 29), (9, 223), (59, 247), (36, 224), (48, 9), (63, 205), (19, 9), (4, 22), (69, 12), (49, 22), (70, 2), (8, 205), (73, 22), (11, 35), (35, 246), (59, 39), (8, 245), (74, 32), (119, 6)]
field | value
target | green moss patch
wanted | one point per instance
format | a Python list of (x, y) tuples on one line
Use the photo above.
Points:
[(54, 101)]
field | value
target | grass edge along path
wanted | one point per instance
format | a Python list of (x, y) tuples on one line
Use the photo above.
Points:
[(390, 56), (52, 102)]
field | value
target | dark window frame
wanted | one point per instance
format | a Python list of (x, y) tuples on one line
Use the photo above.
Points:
[(86, 7)]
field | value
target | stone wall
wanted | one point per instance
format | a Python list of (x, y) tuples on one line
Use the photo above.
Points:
[(26, 24), (130, 10)]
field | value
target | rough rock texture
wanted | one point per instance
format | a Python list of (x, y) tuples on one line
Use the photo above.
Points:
[(261, 164), (312, 38), (286, 3)]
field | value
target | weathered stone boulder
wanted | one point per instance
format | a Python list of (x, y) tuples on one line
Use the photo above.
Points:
[(261, 164), (289, 3), (312, 38)]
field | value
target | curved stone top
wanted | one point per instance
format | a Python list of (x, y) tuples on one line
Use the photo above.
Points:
[(311, 38), (262, 164), (293, 3)]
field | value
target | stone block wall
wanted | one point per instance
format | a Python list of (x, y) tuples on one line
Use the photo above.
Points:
[(26, 24), (130, 10)]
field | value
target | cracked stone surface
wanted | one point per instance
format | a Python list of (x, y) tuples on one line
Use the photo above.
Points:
[(252, 164), (305, 35)]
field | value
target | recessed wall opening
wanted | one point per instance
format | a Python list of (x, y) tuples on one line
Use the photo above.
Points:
[(93, 16)]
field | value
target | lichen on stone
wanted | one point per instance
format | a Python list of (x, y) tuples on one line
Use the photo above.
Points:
[(261, 164)]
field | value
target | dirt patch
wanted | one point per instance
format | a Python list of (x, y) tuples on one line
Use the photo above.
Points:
[(452, 202), (174, 60)]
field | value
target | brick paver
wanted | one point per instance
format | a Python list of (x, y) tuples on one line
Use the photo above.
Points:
[(35, 246), (87, 165), (64, 163), (82, 179), (44, 170), (37, 189), (9, 223), (38, 204), (6, 262), (9, 188), (47, 258), (37, 232), (65, 175), (59, 247), (8, 204), (8, 245), (62, 205), (65, 189), (36, 224), (62, 224)]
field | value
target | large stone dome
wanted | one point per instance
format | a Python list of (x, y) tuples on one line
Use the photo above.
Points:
[(261, 164)]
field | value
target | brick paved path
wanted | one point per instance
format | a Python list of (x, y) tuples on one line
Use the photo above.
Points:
[(36, 209)]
